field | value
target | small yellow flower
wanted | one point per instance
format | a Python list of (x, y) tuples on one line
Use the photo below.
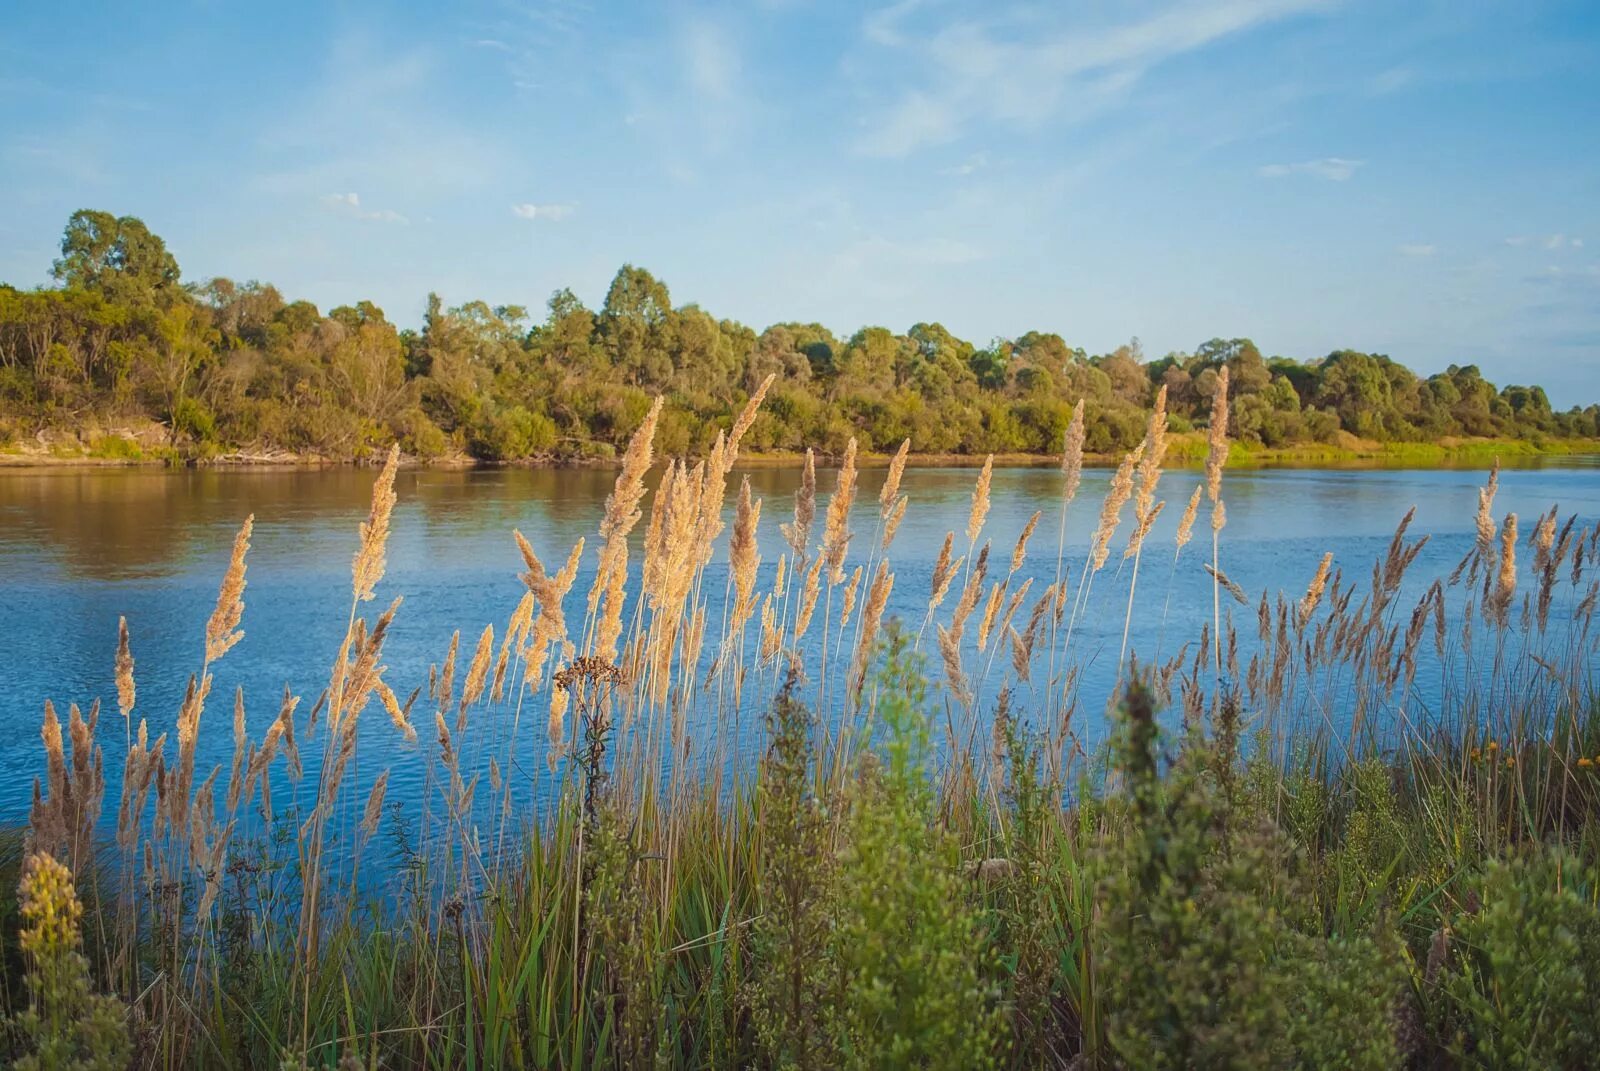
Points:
[(1586, 761), (1494, 745), (1510, 761), (1477, 754)]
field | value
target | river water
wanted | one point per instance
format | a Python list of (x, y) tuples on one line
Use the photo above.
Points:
[(78, 548)]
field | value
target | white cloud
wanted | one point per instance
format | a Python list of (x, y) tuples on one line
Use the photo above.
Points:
[(350, 205), (711, 61), (554, 213), (1546, 241), (1025, 68), (1332, 168), (1416, 250)]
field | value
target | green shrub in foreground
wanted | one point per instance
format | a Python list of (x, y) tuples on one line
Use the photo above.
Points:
[(910, 988), (1526, 989)]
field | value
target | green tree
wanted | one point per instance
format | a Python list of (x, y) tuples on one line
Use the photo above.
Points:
[(118, 256)]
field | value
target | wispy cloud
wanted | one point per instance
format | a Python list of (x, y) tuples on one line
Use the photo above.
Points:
[(555, 213), (1332, 168), (711, 61), (686, 93), (1390, 81), (374, 122), (1551, 242), (1416, 249), (350, 204), (1024, 68)]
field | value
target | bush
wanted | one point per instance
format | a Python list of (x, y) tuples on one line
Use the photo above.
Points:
[(115, 447), (1199, 960), (905, 938), (66, 1026), (512, 434), (191, 417), (1526, 988)]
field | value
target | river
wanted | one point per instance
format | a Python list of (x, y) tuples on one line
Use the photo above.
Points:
[(78, 548)]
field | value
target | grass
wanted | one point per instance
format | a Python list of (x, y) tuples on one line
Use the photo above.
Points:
[(1304, 860)]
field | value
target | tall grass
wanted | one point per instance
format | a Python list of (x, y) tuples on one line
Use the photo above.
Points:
[(1310, 862)]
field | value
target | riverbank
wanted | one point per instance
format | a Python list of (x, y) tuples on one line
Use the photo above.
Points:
[(1187, 449)]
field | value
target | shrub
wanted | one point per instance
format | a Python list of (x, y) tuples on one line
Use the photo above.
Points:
[(906, 939), (66, 1026), (191, 417), (793, 925), (116, 448), (1526, 988), (1200, 964)]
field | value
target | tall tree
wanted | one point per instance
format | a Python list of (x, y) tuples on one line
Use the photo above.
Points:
[(118, 256)]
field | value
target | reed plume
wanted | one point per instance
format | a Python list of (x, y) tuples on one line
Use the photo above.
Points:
[(991, 607), (808, 598), (1485, 518), (126, 692), (477, 676), (1544, 538), (970, 594), (771, 632), (445, 685), (372, 814), (222, 628), (836, 531), (944, 571), (1019, 553), (798, 533), (622, 514), (521, 620), (891, 524), (1505, 588), (849, 599), (1072, 454), (1217, 438), (1155, 452), (1313, 595), (747, 417), (1142, 529), (556, 730), (370, 563), (1186, 522), (399, 716), (980, 502), (950, 653), (888, 496), (1111, 509), (871, 618), (1232, 588), (744, 557)]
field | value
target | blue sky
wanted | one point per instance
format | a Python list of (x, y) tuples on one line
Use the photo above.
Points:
[(1415, 178)]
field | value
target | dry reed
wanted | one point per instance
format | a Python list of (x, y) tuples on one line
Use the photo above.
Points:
[(980, 501), (222, 630)]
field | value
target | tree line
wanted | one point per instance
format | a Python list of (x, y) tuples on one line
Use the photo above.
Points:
[(225, 366)]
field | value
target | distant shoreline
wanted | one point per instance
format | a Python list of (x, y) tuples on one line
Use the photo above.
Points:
[(1186, 451)]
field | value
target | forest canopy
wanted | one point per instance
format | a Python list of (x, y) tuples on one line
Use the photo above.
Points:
[(222, 366)]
